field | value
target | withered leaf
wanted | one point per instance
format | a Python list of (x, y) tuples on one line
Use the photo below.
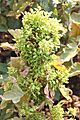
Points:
[(7, 46), (24, 71), (46, 91)]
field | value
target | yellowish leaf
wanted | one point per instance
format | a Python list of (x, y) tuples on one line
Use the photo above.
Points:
[(58, 64), (75, 29)]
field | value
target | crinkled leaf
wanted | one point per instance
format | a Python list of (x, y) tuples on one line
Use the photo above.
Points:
[(65, 92), (69, 52), (14, 94), (75, 69)]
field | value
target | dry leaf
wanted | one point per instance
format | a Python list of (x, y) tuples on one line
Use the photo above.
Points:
[(46, 91), (75, 24), (7, 46), (41, 106), (24, 71)]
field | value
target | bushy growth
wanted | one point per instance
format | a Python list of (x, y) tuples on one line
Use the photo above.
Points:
[(38, 42), (36, 71)]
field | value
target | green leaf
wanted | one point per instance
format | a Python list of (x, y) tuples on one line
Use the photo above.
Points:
[(18, 7), (1, 92), (3, 24), (57, 112), (75, 17), (6, 112), (3, 77), (3, 68), (69, 52), (75, 69), (3, 72), (65, 92), (6, 6), (14, 94), (57, 95), (13, 23)]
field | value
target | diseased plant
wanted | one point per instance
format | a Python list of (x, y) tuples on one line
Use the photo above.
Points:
[(38, 42), (38, 72)]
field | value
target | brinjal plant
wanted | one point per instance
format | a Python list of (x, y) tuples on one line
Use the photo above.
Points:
[(37, 74)]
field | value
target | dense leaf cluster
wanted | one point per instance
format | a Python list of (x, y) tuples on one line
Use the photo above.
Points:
[(38, 42), (35, 71), (35, 81)]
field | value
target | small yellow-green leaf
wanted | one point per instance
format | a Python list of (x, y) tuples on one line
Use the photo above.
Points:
[(65, 92), (15, 33)]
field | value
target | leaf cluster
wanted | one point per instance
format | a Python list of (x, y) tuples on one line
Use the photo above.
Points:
[(38, 42), (38, 77)]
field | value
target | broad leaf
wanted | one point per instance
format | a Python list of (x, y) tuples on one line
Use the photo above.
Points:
[(3, 77), (75, 17), (75, 30), (13, 23), (75, 69), (3, 67), (69, 52), (14, 94)]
